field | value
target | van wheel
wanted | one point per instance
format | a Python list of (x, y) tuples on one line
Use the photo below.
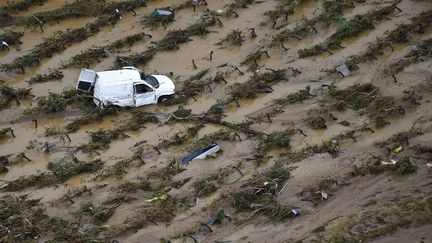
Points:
[(164, 99)]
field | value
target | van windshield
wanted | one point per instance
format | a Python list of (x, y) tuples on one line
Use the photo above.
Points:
[(150, 80)]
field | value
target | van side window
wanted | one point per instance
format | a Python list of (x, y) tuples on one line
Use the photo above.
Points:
[(142, 88)]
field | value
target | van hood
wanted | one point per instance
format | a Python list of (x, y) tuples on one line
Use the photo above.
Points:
[(165, 83)]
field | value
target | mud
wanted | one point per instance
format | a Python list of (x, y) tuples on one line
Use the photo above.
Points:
[(240, 149)]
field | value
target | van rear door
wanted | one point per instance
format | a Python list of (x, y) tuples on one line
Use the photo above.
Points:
[(86, 79)]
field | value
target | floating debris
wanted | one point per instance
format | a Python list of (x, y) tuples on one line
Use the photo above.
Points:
[(343, 70), (202, 153)]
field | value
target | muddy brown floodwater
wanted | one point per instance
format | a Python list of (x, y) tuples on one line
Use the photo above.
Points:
[(285, 142)]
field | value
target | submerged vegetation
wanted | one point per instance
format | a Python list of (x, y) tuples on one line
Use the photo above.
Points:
[(332, 10), (418, 54), (353, 27), (80, 8), (61, 170), (60, 40), (389, 217), (9, 95), (272, 165)]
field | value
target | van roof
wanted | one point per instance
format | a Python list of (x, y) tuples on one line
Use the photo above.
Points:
[(117, 77)]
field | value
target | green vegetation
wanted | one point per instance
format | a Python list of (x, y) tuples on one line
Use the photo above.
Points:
[(95, 54), (418, 54), (54, 74), (11, 37), (9, 94), (332, 10), (257, 83), (60, 40), (317, 122), (235, 37), (62, 170), (398, 35), (258, 195), (79, 8), (349, 28), (21, 5), (58, 102), (387, 218), (118, 169), (284, 8)]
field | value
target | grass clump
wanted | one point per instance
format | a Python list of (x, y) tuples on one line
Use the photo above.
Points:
[(139, 118), (61, 230), (75, 192), (204, 188), (182, 112), (169, 42), (60, 40), (133, 186), (58, 102), (224, 134), (22, 5), (283, 9), (157, 211), (11, 37), (257, 83), (79, 8), (356, 97), (300, 96), (373, 165), (101, 139), (90, 116), (180, 137), (101, 212), (95, 54), (118, 169), (62, 170), (389, 217), (166, 173), (70, 166), (54, 74), (9, 94), (259, 195), (15, 214), (235, 37), (332, 11), (398, 35), (421, 52), (317, 122), (350, 28), (398, 139), (252, 58)]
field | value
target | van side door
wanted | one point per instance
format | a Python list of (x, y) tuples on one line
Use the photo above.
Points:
[(144, 94)]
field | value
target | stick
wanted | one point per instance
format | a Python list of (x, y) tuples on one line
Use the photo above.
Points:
[(194, 65)]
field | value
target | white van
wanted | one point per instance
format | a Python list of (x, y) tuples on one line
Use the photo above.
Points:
[(126, 87)]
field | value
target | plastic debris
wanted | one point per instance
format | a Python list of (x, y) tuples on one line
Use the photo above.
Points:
[(295, 213), (202, 153), (343, 69), (392, 162), (157, 198), (398, 149), (324, 195), (429, 165), (4, 44), (163, 13)]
